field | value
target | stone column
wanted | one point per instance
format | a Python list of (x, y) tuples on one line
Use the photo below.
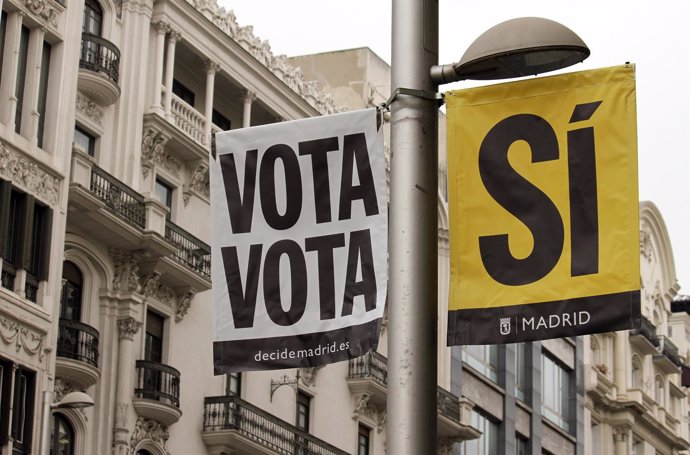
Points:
[(249, 98), (162, 28), (620, 363), (211, 70), (127, 328), (173, 37), (621, 434), (8, 86)]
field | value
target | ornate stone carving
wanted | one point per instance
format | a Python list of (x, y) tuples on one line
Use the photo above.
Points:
[(43, 10), (211, 67), (153, 153), (620, 433), (14, 333), (126, 270), (363, 409), (150, 284), (151, 431), (26, 173), (646, 245), (174, 35), (248, 96), (198, 183), (89, 108), (161, 26), (128, 327), (308, 376), (62, 388), (183, 304), (261, 51)]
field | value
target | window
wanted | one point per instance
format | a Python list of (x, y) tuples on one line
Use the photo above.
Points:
[(93, 18), (302, 422), (3, 33), (21, 76), (363, 440), (555, 383), (183, 92), (17, 400), (520, 370), (154, 337), (233, 385), (163, 192), (596, 438), (24, 239), (43, 90), (521, 445), (220, 120), (487, 444), (482, 358), (659, 390), (85, 141), (61, 436)]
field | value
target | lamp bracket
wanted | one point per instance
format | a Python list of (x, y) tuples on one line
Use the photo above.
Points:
[(285, 380), (426, 94)]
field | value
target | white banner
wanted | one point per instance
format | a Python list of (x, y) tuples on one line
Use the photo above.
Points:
[(300, 248)]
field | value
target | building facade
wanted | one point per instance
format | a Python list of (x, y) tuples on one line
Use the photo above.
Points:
[(105, 122)]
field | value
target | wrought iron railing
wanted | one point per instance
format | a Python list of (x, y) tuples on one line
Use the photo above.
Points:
[(232, 413), (31, 288), (375, 366), (648, 330), (370, 365), (670, 350), (78, 341), (159, 382), (9, 273), (123, 200), (191, 251), (100, 56)]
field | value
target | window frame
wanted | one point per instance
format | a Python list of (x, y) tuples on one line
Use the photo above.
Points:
[(559, 411), (363, 440)]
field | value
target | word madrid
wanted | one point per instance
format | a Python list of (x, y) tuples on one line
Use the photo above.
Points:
[(553, 321), (276, 175)]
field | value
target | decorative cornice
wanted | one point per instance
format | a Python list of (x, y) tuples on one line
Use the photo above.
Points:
[(128, 327), (27, 173), (150, 431), (279, 65), (89, 108), (14, 333)]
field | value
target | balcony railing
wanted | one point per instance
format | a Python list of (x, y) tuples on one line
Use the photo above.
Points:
[(191, 251), (374, 365), (233, 413), (31, 288), (648, 330), (9, 273), (124, 201), (188, 119), (158, 382), (670, 350), (78, 341), (100, 56)]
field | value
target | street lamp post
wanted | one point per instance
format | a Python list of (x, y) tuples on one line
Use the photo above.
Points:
[(519, 47), (72, 400)]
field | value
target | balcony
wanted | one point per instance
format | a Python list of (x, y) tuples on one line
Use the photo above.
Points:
[(99, 69), (77, 353), (645, 338), (235, 426), (157, 393), (106, 210), (368, 374), (667, 358)]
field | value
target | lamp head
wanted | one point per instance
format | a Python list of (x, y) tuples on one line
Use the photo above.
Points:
[(517, 47), (74, 400)]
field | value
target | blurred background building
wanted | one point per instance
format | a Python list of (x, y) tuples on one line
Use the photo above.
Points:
[(106, 111)]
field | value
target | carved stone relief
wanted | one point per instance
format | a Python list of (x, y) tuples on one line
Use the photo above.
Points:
[(128, 327), (126, 270), (646, 245), (363, 409), (44, 11), (89, 108), (183, 304), (151, 431), (153, 154), (24, 339), (198, 183), (27, 174)]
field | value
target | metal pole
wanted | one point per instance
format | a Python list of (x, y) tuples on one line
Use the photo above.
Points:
[(412, 369), (45, 422)]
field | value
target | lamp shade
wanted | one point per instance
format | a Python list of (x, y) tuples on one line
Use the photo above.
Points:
[(74, 400), (514, 48)]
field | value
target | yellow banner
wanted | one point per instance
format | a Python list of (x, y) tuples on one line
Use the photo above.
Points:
[(543, 197)]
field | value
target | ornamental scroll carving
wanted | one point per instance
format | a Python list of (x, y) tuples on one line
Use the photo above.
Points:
[(27, 174), (126, 266), (43, 10), (89, 108), (261, 51), (153, 154), (198, 183), (23, 339), (151, 431), (363, 409), (128, 327)]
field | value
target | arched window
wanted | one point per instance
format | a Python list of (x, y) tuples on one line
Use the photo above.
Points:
[(93, 18), (636, 372), (70, 301), (143, 452), (62, 437)]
